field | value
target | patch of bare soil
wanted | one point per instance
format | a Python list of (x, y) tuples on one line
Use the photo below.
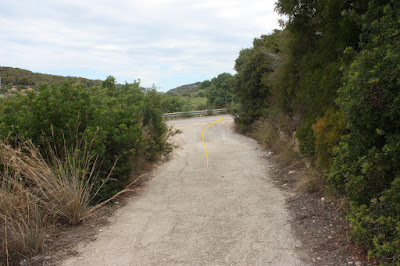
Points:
[(319, 222)]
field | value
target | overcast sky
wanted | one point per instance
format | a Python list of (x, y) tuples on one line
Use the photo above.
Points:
[(163, 42)]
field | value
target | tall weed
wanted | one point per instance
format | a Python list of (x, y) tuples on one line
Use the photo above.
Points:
[(25, 219), (36, 194)]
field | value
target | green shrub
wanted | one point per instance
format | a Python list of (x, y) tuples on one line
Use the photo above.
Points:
[(377, 227), (123, 122), (253, 66), (328, 130), (306, 138), (219, 93), (366, 166), (171, 103)]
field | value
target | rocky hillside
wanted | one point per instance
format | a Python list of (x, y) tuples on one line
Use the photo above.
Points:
[(15, 77), (185, 89)]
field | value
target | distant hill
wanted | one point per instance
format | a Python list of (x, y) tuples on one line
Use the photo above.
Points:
[(185, 89), (15, 77)]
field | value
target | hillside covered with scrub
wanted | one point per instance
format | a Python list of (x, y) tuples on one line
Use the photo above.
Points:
[(331, 79), (209, 94), (11, 76), (65, 149)]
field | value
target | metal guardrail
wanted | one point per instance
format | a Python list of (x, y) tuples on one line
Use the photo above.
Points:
[(195, 113)]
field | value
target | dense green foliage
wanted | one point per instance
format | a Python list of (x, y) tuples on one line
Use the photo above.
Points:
[(332, 75), (125, 123), (188, 97), (170, 103), (366, 167), (195, 101), (209, 94), (319, 33), (250, 84), (205, 84), (14, 76), (219, 91)]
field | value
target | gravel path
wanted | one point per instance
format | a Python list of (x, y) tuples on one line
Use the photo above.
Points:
[(229, 213)]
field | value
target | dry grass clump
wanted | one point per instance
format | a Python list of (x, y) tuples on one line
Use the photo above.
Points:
[(37, 194), (310, 180), (24, 221), (268, 135), (307, 179)]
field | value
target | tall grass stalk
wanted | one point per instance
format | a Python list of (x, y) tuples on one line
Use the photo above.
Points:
[(67, 185), (25, 220), (37, 193)]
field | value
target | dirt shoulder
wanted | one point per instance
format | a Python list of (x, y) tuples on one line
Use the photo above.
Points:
[(318, 221)]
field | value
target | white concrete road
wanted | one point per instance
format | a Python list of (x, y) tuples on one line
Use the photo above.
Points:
[(228, 214)]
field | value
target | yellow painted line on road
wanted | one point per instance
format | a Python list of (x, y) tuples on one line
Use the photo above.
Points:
[(202, 136)]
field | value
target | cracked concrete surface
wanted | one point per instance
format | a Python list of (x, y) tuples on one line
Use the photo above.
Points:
[(230, 213)]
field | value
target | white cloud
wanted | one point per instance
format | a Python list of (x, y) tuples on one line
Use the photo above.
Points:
[(166, 42)]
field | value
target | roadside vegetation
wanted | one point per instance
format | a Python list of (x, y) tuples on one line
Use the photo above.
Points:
[(70, 145), (209, 94), (192, 97), (68, 149), (328, 84), (323, 92), (194, 102)]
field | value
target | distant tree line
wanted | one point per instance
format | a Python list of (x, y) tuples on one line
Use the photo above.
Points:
[(218, 91), (209, 94)]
